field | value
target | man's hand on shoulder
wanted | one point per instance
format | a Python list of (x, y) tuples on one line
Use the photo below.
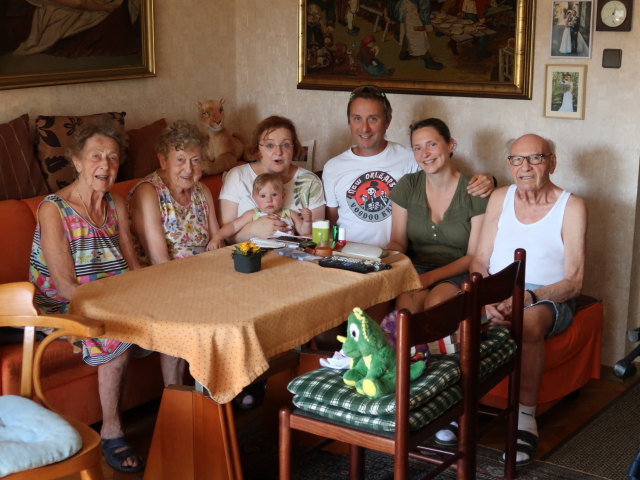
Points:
[(481, 185)]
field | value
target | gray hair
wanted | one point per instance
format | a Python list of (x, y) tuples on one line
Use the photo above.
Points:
[(104, 126), (180, 135), (550, 143)]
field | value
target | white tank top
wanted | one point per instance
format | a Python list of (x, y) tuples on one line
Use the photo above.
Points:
[(542, 240)]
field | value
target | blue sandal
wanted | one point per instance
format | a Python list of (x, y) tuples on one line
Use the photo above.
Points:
[(115, 459)]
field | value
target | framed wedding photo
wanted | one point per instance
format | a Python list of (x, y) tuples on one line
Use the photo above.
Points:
[(571, 29), (565, 91)]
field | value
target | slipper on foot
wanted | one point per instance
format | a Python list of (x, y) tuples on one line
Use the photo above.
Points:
[(450, 431), (526, 446), (251, 396), (115, 458)]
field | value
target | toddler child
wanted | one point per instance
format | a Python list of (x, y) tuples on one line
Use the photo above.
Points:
[(268, 195)]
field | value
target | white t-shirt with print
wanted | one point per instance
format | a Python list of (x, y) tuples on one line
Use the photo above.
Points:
[(303, 190), (360, 186)]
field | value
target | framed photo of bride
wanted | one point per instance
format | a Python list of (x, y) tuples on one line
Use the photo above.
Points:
[(565, 91), (571, 29)]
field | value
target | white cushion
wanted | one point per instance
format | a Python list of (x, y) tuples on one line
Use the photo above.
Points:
[(32, 436)]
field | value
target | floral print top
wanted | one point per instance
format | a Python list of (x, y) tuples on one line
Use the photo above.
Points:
[(186, 228)]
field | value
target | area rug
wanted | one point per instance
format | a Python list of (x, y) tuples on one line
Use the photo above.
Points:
[(378, 466), (606, 445)]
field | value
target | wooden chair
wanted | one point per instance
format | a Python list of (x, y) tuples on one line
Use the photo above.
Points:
[(462, 313), (17, 310)]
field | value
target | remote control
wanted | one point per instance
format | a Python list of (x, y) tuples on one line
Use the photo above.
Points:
[(353, 264)]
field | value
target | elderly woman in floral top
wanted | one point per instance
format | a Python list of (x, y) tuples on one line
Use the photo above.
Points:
[(172, 213)]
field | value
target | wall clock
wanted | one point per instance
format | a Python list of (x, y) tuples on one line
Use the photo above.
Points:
[(614, 15)]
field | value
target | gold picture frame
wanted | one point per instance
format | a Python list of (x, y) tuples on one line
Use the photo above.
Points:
[(565, 91), (95, 51), (488, 56)]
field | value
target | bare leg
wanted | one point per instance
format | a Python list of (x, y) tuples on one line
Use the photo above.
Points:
[(110, 380), (537, 322), (173, 369), (440, 293), (419, 300)]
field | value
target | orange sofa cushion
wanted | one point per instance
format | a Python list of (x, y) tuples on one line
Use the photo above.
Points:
[(571, 359)]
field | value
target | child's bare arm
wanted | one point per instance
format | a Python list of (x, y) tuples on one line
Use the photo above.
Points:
[(302, 221), (230, 229)]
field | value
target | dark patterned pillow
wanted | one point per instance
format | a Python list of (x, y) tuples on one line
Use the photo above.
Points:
[(20, 175), (53, 137), (141, 154)]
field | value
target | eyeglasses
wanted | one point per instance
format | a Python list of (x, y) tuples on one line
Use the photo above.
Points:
[(272, 146), (372, 89), (533, 159)]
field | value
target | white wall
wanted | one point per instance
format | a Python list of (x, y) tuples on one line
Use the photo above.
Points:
[(598, 156)]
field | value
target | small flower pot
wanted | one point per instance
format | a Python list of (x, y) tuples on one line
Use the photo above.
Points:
[(244, 264)]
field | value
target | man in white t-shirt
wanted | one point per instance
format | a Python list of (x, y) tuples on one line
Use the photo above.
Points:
[(357, 183)]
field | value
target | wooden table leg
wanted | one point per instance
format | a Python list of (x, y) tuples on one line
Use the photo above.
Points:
[(194, 439)]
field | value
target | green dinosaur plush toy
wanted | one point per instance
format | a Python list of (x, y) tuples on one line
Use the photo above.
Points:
[(373, 362)]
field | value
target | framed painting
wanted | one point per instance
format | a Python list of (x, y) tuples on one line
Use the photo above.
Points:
[(477, 48), (51, 42), (565, 91), (571, 29)]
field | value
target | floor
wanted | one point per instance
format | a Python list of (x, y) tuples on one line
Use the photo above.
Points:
[(555, 426)]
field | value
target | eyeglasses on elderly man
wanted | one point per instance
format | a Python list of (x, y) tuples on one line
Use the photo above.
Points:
[(533, 159)]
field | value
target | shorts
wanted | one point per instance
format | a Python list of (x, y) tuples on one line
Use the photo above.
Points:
[(562, 312), (455, 280)]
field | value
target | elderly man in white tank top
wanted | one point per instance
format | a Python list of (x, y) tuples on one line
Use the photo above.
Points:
[(550, 224)]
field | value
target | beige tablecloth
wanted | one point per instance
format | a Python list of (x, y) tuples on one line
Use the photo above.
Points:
[(228, 324)]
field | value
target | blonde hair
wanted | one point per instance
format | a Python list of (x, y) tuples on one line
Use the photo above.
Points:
[(265, 179)]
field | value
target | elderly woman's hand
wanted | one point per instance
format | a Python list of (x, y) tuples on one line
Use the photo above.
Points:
[(480, 185), (215, 243)]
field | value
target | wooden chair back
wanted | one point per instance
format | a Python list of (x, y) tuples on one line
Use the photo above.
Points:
[(17, 310), (461, 313)]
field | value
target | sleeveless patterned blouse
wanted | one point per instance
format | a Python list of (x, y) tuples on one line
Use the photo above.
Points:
[(96, 254), (186, 229)]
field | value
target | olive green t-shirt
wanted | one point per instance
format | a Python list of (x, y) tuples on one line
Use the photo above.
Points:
[(436, 244)]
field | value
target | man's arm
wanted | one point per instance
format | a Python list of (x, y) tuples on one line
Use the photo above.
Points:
[(482, 255), (574, 228), (481, 185)]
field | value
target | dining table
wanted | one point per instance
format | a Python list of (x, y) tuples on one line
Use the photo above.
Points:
[(228, 326)]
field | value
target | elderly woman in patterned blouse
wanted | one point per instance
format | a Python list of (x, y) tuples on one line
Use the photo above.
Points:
[(82, 235), (172, 212)]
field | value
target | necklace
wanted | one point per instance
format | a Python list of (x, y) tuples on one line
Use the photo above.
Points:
[(86, 210)]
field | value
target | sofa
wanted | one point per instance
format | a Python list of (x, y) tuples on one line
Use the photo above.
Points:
[(70, 384), (571, 359)]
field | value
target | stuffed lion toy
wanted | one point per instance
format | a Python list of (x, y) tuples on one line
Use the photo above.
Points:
[(373, 362)]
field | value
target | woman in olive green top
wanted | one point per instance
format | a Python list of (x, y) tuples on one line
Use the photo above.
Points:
[(434, 220)]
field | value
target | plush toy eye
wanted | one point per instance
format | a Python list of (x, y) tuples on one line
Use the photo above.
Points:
[(354, 332)]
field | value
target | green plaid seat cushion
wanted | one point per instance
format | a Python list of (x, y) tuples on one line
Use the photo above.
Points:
[(431, 408), (418, 417), (323, 392), (325, 386)]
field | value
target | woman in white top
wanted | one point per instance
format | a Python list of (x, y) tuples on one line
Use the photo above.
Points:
[(275, 144)]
